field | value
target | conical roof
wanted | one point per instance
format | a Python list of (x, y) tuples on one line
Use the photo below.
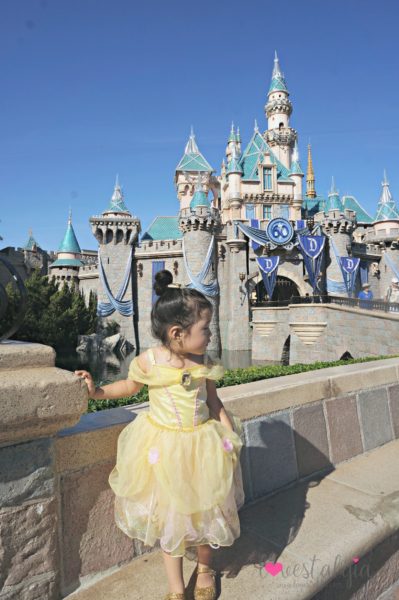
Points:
[(277, 83), (31, 243), (69, 243), (386, 208), (333, 200), (192, 159), (117, 203)]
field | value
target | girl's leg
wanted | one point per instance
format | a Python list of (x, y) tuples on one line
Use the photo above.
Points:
[(174, 571), (204, 558)]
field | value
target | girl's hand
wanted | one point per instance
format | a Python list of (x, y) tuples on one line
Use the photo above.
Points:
[(89, 381)]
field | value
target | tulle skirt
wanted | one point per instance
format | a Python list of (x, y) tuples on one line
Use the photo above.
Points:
[(183, 488)]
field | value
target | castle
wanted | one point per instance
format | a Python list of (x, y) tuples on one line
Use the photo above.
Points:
[(238, 235)]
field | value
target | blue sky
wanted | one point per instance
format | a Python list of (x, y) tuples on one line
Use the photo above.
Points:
[(91, 88)]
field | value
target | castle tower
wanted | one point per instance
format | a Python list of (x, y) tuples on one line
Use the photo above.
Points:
[(66, 266), (310, 178), (338, 224), (385, 229), (187, 172), (297, 175), (116, 231), (234, 174), (280, 136), (199, 224)]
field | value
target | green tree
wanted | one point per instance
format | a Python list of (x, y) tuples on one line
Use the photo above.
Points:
[(55, 315)]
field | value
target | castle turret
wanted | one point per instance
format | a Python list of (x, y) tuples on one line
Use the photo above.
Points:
[(234, 174), (386, 208), (278, 109), (385, 232), (187, 171), (338, 224), (66, 266), (333, 201), (199, 223), (116, 231), (297, 176)]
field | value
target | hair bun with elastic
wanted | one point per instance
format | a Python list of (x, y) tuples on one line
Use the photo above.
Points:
[(162, 280)]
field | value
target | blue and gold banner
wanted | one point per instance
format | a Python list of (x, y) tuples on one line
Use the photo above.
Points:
[(268, 269), (312, 247), (349, 267)]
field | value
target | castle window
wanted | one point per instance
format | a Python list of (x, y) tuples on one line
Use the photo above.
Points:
[(283, 211), (267, 178), (267, 211), (281, 125), (249, 211)]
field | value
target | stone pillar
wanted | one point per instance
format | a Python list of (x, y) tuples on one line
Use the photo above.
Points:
[(36, 401)]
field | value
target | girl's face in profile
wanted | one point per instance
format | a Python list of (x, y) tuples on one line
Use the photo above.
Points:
[(196, 340)]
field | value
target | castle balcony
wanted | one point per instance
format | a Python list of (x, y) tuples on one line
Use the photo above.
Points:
[(283, 135), (318, 443), (390, 234)]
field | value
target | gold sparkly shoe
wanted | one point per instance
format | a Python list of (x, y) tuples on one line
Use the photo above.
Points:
[(176, 596), (205, 593)]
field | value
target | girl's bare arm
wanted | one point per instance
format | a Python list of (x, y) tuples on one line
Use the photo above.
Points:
[(216, 408), (112, 391)]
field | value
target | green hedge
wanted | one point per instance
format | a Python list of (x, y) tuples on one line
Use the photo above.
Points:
[(237, 376)]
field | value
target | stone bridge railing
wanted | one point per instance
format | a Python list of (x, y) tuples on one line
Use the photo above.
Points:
[(57, 529), (310, 332)]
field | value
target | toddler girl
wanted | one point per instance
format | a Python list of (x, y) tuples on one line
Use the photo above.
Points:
[(177, 477)]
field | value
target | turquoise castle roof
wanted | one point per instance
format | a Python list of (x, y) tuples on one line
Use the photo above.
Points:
[(255, 150), (200, 198), (277, 83), (67, 262), (386, 208), (351, 203), (296, 169), (69, 243), (31, 243), (295, 165), (192, 159), (234, 166), (311, 206), (163, 228), (117, 203), (333, 199)]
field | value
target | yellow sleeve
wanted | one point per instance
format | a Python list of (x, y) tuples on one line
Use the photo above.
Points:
[(216, 371), (136, 373)]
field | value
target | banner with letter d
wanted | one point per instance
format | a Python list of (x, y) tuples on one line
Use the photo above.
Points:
[(349, 268), (268, 269), (312, 247)]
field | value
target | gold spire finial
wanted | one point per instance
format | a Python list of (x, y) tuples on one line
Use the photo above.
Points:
[(310, 178)]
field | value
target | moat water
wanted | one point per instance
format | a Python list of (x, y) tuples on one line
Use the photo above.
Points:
[(106, 368)]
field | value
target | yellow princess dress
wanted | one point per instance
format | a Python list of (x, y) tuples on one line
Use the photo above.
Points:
[(177, 477)]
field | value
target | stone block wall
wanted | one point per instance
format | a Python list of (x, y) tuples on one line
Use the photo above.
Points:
[(57, 527), (323, 332)]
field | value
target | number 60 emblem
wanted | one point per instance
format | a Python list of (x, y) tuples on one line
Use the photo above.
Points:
[(280, 231)]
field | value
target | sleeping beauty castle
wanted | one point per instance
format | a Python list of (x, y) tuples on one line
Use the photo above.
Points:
[(251, 238)]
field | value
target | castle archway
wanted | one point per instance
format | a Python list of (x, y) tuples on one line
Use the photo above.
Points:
[(284, 289)]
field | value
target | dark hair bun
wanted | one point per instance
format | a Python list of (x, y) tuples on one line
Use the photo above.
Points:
[(162, 280)]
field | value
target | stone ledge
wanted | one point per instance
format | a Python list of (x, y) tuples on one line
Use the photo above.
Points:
[(315, 529), (17, 355), (38, 402)]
